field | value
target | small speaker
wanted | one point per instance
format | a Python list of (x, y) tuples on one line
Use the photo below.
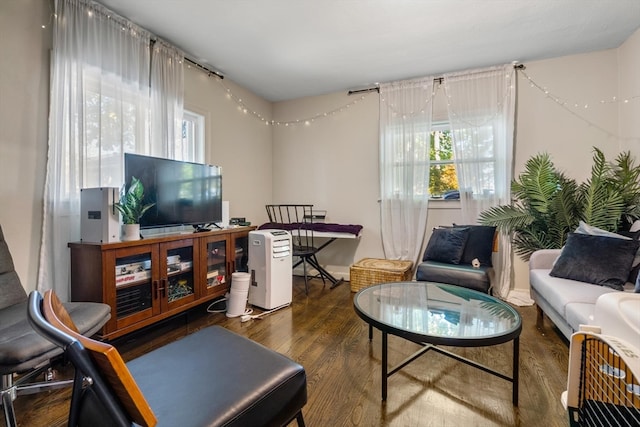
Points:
[(99, 219)]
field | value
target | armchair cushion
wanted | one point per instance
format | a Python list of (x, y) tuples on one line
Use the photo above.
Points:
[(447, 245), (600, 260)]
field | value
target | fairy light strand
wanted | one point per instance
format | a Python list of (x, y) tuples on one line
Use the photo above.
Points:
[(307, 121), (565, 105)]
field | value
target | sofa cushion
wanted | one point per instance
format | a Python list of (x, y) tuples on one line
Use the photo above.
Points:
[(559, 292), (593, 259), (479, 244), (579, 313), (446, 245)]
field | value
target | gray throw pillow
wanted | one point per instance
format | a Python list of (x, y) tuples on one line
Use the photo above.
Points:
[(600, 260), (479, 244), (446, 245)]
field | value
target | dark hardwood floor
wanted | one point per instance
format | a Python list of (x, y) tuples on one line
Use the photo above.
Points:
[(322, 332)]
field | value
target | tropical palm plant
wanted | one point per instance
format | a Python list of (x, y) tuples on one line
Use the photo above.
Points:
[(547, 205)]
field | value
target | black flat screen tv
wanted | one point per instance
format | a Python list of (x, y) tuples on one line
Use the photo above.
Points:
[(184, 193)]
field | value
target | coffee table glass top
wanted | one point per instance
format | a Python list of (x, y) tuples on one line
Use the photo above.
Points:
[(438, 313)]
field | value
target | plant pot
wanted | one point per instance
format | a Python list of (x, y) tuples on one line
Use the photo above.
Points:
[(130, 232)]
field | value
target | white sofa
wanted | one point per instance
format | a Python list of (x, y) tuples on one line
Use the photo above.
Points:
[(569, 303)]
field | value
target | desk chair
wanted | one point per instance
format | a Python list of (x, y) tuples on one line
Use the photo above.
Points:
[(603, 386), (298, 220), (212, 377), (22, 350)]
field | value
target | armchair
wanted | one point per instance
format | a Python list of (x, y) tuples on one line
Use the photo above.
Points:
[(459, 255), (22, 350)]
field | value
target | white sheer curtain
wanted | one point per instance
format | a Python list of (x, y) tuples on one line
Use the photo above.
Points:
[(167, 94), (99, 109), (481, 105), (405, 125)]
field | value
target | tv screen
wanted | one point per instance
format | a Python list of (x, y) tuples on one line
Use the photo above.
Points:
[(184, 193)]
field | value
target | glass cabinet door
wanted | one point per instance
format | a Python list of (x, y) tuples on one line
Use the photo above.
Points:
[(240, 244), (134, 284), (216, 265), (177, 271)]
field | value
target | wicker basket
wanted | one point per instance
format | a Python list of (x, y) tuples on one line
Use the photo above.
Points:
[(370, 271)]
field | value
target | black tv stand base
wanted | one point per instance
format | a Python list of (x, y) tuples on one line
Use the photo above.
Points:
[(204, 228)]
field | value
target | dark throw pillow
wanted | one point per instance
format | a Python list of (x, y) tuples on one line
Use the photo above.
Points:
[(600, 260), (446, 245), (479, 244)]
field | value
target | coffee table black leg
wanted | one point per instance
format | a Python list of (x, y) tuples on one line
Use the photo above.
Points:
[(384, 366), (370, 333), (516, 369)]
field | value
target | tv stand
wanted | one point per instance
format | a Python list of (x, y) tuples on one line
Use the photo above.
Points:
[(200, 229), (146, 281)]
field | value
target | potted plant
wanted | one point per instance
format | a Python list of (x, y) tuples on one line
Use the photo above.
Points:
[(547, 205), (132, 207)]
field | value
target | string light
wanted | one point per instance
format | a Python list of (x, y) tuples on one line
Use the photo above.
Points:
[(306, 121), (564, 104)]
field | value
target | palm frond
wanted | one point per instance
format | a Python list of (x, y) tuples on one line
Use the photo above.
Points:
[(537, 184), (507, 218)]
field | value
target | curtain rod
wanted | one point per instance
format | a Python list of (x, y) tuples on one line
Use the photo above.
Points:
[(371, 89), (438, 80), (196, 64), (203, 68)]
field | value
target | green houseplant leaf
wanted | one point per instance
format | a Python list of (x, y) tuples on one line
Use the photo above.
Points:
[(131, 204), (547, 205)]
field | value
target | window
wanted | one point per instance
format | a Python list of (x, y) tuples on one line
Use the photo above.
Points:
[(479, 163), (191, 147), (442, 170)]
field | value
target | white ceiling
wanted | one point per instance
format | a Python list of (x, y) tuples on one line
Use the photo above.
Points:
[(287, 49)]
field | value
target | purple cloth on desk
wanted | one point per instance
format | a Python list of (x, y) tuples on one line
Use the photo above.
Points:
[(316, 226)]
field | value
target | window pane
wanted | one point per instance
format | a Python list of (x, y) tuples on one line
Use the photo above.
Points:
[(442, 171), (442, 178), (191, 146)]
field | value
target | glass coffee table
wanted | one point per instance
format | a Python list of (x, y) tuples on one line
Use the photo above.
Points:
[(435, 314)]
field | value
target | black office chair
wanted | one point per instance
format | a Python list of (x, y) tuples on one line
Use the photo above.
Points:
[(298, 220), (22, 350)]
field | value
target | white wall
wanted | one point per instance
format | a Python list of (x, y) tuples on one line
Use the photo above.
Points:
[(24, 106), (237, 141), (629, 77)]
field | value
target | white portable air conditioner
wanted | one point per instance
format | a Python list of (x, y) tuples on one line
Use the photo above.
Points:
[(270, 265)]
